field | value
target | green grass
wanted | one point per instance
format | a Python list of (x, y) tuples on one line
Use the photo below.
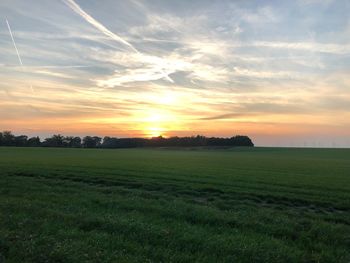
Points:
[(153, 205)]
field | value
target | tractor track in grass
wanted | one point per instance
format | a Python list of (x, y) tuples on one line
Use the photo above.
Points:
[(222, 199)]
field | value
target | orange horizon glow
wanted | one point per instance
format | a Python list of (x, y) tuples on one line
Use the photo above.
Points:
[(167, 113), (237, 69)]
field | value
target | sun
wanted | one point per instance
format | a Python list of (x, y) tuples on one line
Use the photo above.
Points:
[(155, 123), (155, 132)]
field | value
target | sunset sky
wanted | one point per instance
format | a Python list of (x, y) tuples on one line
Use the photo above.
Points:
[(277, 71)]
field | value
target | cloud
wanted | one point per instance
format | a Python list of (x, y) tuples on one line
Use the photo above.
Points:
[(53, 74), (157, 24), (76, 8), (143, 68), (135, 77), (333, 48), (263, 15), (209, 73), (315, 2), (237, 62), (242, 72), (132, 75), (225, 116)]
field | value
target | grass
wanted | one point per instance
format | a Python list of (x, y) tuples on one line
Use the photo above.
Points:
[(154, 205)]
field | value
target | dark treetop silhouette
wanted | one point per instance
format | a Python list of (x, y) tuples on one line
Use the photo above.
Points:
[(9, 139)]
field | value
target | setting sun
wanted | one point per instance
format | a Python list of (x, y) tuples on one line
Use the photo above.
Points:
[(157, 75), (154, 132), (175, 131), (155, 123)]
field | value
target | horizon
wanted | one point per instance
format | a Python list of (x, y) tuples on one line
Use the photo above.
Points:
[(316, 144), (277, 72)]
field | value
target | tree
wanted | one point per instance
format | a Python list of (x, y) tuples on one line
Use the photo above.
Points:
[(54, 141), (88, 142), (34, 142), (109, 142), (91, 142), (8, 139), (241, 140), (97, 141), (21, 140), (71, 141), (76, 142)]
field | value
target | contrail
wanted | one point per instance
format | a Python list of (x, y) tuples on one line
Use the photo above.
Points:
[(48, 66), (14, 44), (77, 9), (68, 66)]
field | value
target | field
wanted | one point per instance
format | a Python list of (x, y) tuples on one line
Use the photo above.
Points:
[(161, 205)]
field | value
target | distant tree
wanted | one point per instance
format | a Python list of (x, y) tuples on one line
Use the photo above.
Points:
[(54, 141), (241, 140), (34, 142), (67, 141), (91, 142), (76, 142), (97, 141), (200, 140), (71, 141), (173, 141), (109, 142), (8, 139), (155, 141), (21, 140)]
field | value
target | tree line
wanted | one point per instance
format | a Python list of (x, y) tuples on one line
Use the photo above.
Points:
[(57, 140)]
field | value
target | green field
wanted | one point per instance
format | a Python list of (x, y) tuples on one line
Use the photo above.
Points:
[(159, 205)]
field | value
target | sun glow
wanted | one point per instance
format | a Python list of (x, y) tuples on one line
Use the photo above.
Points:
[(153, 124), (158, 123), (168, 99), (155, 132)]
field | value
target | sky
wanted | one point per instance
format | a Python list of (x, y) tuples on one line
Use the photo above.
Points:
[(277, 71)]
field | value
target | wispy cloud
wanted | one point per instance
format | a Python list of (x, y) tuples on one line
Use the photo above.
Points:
[(133, 77), (308, 46), (265, 74), (225, 116), (76, 8), (53, 74), (123, 67), (262, 15), (47, 66)]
